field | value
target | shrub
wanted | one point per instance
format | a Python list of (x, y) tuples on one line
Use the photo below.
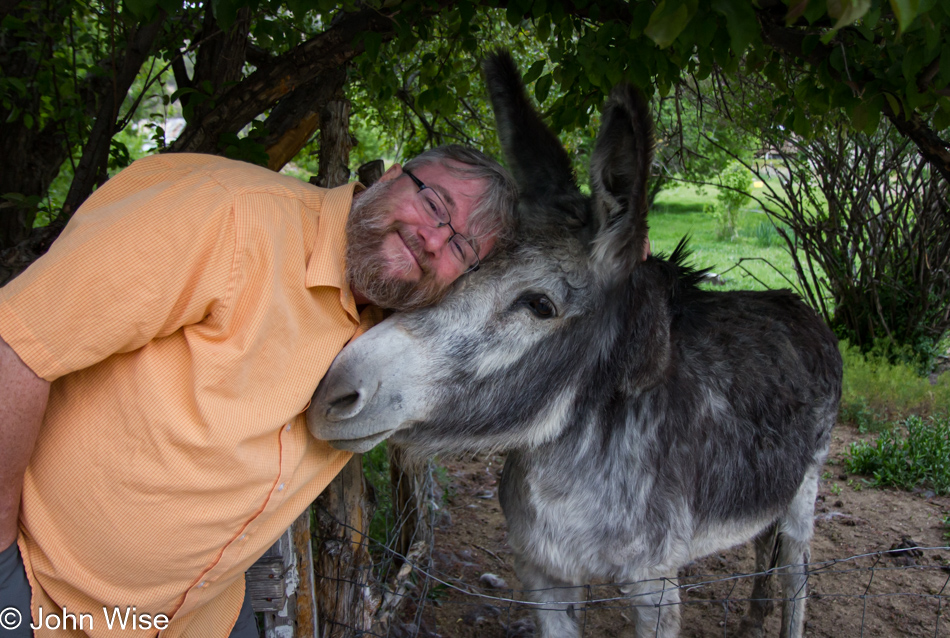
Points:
[(912, 453), (876, 390), (737, 184)]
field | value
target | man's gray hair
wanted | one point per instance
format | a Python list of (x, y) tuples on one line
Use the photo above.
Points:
[(493, 213)]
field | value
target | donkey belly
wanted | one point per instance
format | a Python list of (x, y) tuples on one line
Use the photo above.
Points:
[(581, 530)]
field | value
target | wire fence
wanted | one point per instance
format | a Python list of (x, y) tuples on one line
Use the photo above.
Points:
[(901, 591)]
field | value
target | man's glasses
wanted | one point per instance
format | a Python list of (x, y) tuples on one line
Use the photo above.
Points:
[(460, 246)]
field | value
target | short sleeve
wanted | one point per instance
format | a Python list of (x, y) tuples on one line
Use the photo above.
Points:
[(149, 252)]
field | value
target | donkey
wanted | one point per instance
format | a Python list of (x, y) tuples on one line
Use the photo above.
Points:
[(648, 422)]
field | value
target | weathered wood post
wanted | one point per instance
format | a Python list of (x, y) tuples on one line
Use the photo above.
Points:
[(346, 602), (330, 592)]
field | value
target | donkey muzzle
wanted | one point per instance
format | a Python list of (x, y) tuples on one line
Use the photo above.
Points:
[(357, 403)]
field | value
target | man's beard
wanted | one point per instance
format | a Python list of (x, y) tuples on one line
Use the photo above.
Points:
[(370, 272)]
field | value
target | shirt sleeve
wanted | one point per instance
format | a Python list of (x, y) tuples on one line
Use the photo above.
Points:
[(149, 252)]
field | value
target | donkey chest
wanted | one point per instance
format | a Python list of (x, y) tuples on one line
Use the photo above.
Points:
[(582, 520)]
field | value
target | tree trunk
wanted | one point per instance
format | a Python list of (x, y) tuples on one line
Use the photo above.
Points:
[(93, 165), (334, 145), (294, 120), (277, 79), (219, 62)]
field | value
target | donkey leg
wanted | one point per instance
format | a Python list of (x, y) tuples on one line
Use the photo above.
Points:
[(763, 591), (794, 553), (657, 605), (561, 602)]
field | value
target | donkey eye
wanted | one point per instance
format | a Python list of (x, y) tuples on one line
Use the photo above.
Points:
[(539, 304)]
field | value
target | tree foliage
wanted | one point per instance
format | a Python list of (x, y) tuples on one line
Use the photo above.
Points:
[(251, 78)]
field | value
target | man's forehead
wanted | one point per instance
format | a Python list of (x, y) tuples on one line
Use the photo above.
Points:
[(453, 185)]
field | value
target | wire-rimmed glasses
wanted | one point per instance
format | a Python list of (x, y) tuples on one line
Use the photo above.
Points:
[(460, 247)]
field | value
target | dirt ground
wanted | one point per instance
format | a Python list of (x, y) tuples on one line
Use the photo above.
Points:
[(855, 590)]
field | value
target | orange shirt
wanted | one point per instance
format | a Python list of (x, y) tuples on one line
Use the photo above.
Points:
[(184, 316)]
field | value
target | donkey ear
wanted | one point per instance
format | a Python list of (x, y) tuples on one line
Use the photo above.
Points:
[(535, 156), (619, 172)]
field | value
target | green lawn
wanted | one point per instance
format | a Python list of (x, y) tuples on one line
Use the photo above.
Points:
[(679, 211)]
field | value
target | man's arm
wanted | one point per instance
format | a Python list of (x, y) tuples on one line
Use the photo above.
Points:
[(23, 398)]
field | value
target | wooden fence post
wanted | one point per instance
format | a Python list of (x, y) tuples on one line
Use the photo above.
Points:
[(331, 594), (345, 600)]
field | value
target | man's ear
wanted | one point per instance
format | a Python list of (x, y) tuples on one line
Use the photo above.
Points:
[(391, 173)]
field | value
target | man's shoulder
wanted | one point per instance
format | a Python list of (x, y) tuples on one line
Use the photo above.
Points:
[(237, 177)]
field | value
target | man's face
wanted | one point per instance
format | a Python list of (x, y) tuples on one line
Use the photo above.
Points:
[(396, 255)]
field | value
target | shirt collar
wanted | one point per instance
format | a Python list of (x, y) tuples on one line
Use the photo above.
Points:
[(327, 263)]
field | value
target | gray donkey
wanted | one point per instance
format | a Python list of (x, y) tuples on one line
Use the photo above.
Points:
[(649, 423)]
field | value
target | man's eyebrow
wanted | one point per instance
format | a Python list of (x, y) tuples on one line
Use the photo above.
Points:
[(450, 202), (446, 196)]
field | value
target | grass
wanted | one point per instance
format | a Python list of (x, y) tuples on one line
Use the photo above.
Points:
[(914, 453), (873, 388), (376, 471), (683, 210)]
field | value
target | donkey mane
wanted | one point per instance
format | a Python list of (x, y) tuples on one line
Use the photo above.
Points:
[(684, 276)]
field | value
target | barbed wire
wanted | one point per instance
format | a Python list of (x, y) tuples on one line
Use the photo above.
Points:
[(429, 577)]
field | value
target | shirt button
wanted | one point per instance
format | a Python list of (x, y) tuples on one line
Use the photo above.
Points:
[(202, 583), (287, 427), (280, 488), (242, 537)]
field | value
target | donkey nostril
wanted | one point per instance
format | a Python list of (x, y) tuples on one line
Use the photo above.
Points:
[(345, 402), (342, 399)]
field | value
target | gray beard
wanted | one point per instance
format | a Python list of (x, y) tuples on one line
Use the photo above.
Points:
[(369, 272)]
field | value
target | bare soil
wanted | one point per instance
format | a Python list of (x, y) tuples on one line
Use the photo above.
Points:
[(857, 586)]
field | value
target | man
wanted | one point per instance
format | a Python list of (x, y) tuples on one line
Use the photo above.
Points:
[(156, 363)]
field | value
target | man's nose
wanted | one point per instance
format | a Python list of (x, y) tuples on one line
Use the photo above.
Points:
[(435, 238)]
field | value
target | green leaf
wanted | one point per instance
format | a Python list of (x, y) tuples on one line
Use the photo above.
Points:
[(542, 87), (427, 98), (894, 103), (796, 8), (668, 20), (534, 72), (141, 8), (225, 11), (942, 116), (372, 41), (801, 125), (815, 10), (640, 19), (544, 29), (466, 12), (514, 14), (741, 22), (836, 59), (906, 11), (943, 76), (19, 84), (859, 116), (847, 11), (28, 120)]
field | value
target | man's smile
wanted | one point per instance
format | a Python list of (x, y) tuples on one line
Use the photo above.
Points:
[(412, 248)]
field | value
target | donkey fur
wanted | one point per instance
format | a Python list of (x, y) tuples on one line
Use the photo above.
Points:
[(648, 422)]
